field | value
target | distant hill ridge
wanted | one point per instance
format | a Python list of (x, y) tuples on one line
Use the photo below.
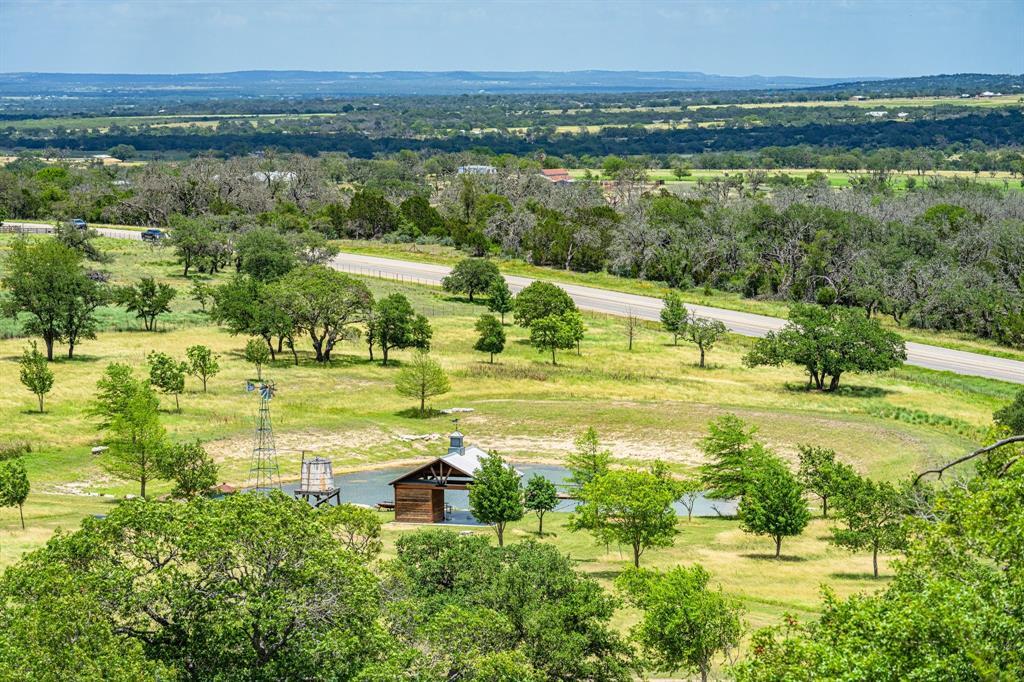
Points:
[(368, 83), (321, 83)]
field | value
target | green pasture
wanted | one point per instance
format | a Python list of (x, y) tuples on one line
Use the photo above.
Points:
[(651, 403)]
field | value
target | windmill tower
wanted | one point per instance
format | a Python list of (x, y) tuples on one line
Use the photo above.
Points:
[(264, 473)]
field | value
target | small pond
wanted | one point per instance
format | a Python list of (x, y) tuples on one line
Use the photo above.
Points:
[(370, 487)]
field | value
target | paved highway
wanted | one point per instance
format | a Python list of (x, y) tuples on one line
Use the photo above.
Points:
[(646, 307), (649, 308)]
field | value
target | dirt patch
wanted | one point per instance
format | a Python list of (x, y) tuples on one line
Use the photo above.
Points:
[(80, 488), (555, 449), (346, 443)]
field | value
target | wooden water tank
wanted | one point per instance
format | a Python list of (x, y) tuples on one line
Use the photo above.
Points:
[(317, 475)]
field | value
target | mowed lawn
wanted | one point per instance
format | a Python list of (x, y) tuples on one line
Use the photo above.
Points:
[(651, 403)]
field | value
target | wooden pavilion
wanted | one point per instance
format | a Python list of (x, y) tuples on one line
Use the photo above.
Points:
[(419, 494)]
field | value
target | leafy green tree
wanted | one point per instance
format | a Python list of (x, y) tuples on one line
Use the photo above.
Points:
[(324, 303), (247, 306), (422, 378), (461, 637), (147, 300), (265, 254), (556, 616), (190, 467), (201, 292), (14, 486), (496, 497), (540, 497), (685, 625), (552, 333), (394, 324), (80, 312), (135, 439), (503, 666), (873, 514), (589, 460), (34, 373), (370, 215), (53, 629), (949, 612), (499, 297), (687, 492), (80, 240), (143, 573), (631, 507), (417, 211), (257, 353), (311, 247), (575, 328), (540, 300), (46, 281), (471, 276), (822, 475), (828, 342), (675, 318), (202, 363), (492, 335), (191, 239), (773, 503), (123, 152), (114, 390), (731, 453), (167, 375), (358, 529), (704, 333), (1011, 416)]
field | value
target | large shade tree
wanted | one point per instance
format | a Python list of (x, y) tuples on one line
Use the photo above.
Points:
[(471, 276), (45, 281), (191, 587), (324, 303), (540, 300), (828, 342)]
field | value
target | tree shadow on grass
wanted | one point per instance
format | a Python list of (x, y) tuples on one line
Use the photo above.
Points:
[(771, 557), (854, 575), (58, 359), (841, 392), (414, 413), (606, 575), (479, 299)]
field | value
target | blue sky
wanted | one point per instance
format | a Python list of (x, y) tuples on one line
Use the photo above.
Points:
[(837, 38)]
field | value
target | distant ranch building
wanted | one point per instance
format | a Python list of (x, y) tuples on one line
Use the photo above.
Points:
[(419, 494), (476, 170), (556, 175)]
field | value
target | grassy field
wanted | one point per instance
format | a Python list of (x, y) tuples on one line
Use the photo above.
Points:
[(884, 102), (720, 299), (103, 123), (835, 178), (651, 403), (874, 103), (743, 564)]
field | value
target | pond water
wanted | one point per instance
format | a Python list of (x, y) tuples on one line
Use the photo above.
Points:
[(370, 487)]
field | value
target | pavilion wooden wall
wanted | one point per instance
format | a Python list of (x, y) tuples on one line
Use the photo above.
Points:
[(417, 504)]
